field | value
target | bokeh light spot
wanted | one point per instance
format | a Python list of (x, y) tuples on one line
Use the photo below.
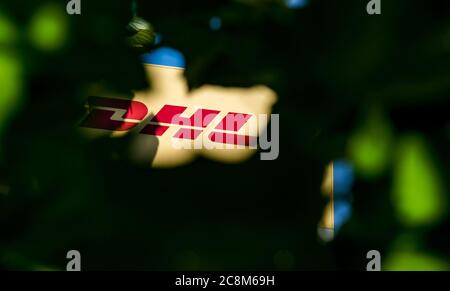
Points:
[(370, 147), (8, 32), (10, 88), (414, 261), (296, 4), (49, 27), (10, 81), (418, 193), (215, 23)]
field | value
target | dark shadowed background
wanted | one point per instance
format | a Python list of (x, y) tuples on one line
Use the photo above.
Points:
[(373, 90)]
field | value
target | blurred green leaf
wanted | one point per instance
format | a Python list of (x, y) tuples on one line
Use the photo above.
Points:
[(8, 31), (49, 27), (418, 193), (370, 146), (414, 261)]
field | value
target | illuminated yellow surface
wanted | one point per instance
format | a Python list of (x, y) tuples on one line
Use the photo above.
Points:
[(327, 220), (169, 87), (327, 182), (328, 216)]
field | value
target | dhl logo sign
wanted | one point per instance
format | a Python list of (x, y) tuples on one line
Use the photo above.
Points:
[(169, 125), (103, 110)]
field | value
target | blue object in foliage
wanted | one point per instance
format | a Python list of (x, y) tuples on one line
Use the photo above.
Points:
[(158, 39), (165, 56), (215, 23), (296, 4), (342, 213), (342, 178)]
